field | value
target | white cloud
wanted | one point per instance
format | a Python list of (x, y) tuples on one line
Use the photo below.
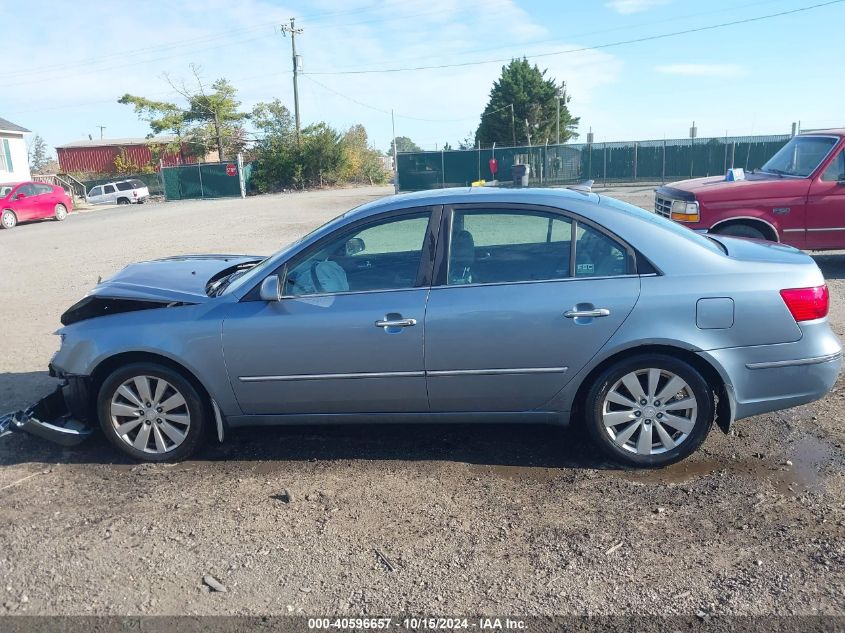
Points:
[(702, 70), (627, 7)]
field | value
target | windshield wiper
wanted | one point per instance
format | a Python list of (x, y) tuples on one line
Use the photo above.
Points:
[(777, 172)]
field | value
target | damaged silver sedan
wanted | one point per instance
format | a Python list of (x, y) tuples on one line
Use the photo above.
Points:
[(482, 305)]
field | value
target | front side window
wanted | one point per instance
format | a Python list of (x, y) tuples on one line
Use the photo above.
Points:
[(384, 255), (800, 156), (508, 246), (835, 172), (96, 191), (124, 186)]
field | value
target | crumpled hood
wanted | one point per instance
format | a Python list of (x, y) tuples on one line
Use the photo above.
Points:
[(183, 278), (160, 283)]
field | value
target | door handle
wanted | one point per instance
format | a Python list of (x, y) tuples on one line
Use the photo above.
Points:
[(396, 323), (598, 312)]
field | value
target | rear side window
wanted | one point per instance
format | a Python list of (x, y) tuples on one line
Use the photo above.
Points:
[(108, 189), (137, 184), (508, 246), (42, 189), (124, 186)]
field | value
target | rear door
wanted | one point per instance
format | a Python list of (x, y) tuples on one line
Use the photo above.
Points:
[(516, 310), (109, 194), (826, 206), (44, 201)]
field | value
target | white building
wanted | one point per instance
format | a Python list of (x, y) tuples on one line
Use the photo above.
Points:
[(14, 161)]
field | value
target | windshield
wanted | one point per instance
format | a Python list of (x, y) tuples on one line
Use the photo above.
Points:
[(267, 265), (800, 156)]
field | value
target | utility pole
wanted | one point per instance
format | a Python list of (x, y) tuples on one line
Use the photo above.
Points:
[(293, 33), (395, 161), (102, 127), (513, 127)]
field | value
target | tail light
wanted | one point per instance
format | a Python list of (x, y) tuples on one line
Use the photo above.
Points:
[(134, 194), (807, 304)]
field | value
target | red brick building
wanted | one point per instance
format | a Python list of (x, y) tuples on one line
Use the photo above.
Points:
[(98, 155)]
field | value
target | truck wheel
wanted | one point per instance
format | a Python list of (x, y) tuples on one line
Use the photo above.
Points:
[(151, 412), (741, 230), (649, 411)]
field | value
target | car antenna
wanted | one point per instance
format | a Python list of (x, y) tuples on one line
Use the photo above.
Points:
[(584, 187)]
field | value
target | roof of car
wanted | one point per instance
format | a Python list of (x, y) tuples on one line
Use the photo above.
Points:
[(833, 131), (464, 195)]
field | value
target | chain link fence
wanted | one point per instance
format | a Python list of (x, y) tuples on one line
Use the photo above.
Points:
[(620, 162)]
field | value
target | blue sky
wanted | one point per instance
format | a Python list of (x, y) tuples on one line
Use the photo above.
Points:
[(61, 76)]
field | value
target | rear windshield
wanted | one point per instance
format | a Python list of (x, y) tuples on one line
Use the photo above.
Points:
[(678, 229), (137, 184), (124, 186), (800, 156)]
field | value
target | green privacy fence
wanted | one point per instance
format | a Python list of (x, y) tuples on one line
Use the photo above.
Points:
[(206, 180), (620, 162)]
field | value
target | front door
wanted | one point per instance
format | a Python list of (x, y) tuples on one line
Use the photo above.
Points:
[(519, 313), (826, 206), (347, 337)]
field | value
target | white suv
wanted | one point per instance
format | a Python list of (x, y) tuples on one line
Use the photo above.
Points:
[(119, 192)]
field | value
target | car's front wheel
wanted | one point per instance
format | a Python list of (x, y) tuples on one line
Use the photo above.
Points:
[(650, 410), (8, 219), (151, 412), (60, 212)]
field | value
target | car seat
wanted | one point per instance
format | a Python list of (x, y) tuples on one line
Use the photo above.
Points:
[(462, 258)]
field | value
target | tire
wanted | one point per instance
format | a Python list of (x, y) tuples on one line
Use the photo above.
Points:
[(8, 219), (123, 200), (61, 212), (742, 230), (625, 441), (159, 434)]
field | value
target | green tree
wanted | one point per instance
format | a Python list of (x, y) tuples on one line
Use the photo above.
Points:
[(276, 153), (321, 154), (534, 99), (210, 119), (360, 162), (403, 144), (38, 158)]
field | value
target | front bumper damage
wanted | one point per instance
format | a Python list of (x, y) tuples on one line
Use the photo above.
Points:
[(50, 418)]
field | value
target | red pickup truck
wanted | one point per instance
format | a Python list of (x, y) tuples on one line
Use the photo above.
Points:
[(797, 197)]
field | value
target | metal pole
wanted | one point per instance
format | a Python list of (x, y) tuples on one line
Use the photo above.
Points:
[(513, 127), (199, 171), (663, 168), (635, 162), (478, 149), (442, 170), (725, 166), (395, 159), (605, 164), (557, 121)]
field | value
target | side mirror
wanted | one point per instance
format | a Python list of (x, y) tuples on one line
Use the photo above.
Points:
[(20, 196), (271, 289), (354, 246), (841, 180)]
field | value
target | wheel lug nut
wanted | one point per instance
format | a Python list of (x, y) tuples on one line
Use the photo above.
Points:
[(637, 414), (648, 421), (643, 402), (158, 409), (657, 403), (659, 416), (149, 405)]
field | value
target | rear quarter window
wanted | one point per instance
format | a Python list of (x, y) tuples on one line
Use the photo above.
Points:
[(137, 184), (648, 216), (124, 186)]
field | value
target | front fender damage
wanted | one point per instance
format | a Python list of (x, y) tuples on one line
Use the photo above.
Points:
[(50, 418)]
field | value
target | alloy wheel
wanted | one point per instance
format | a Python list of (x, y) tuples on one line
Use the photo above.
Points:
[(649, 411), (150, 414), (61, 212)]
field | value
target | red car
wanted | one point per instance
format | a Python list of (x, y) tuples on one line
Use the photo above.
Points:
[(797, 197), (24, 201)]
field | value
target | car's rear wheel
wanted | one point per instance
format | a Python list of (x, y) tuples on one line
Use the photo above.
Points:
[(649, 410), (123, 200), (742, 230), (60, 212), (8, 219), (151, 412)]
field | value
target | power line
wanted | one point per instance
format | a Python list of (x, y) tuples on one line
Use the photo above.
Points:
[(584, 48)]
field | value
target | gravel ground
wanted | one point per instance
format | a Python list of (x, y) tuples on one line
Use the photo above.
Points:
[(380, 520)]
